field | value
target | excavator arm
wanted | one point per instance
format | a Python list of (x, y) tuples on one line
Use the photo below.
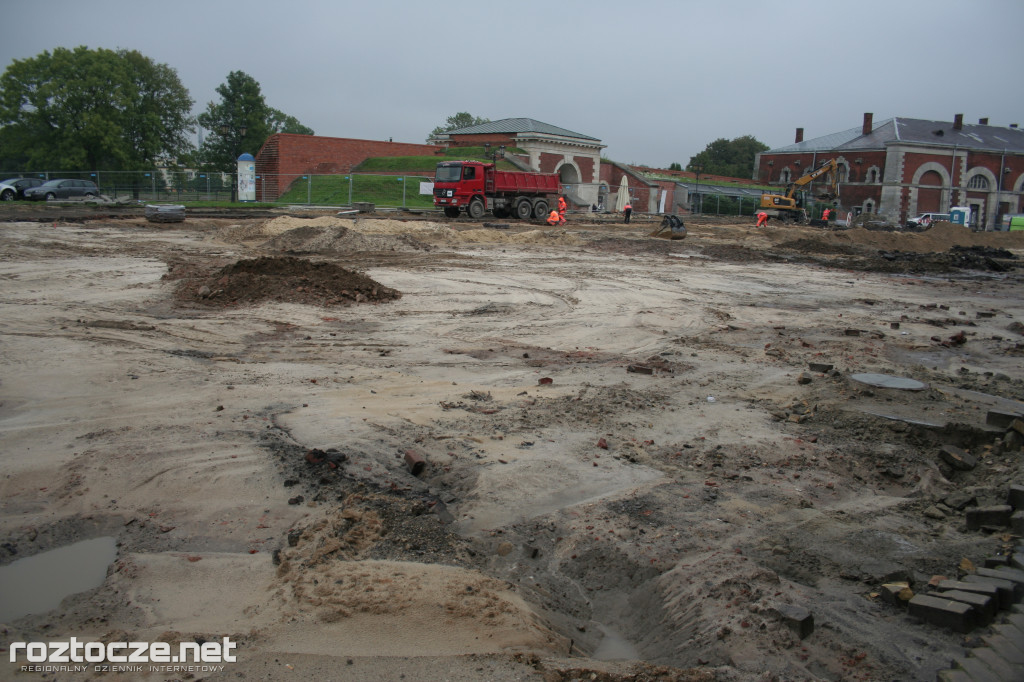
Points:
[(829, 168)]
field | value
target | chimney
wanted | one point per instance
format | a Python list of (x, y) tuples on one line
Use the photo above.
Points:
[(983, 121), (958, 122), (866, 130), (799, 135)]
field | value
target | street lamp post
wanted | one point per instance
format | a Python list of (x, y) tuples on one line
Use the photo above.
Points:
[(234, 137)]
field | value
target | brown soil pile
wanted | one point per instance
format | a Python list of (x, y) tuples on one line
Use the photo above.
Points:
[(283, 279), (940, 237)]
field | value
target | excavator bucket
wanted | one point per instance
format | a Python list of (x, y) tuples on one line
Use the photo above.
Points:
[(674, 224)]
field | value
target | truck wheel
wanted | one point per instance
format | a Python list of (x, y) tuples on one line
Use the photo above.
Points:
[(540, 209), (524, 209), (476, 209), (451, 211)]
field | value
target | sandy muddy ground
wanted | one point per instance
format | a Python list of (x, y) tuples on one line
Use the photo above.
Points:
[(631, 467)]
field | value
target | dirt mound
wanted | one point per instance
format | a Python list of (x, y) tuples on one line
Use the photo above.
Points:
[(284, 279), (940, 237), (339, 239)]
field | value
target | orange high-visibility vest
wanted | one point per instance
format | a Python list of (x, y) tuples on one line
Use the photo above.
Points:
[(553, 217)]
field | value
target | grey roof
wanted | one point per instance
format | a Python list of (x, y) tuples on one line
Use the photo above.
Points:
[(519, 125), (915, 131), (824, 143)]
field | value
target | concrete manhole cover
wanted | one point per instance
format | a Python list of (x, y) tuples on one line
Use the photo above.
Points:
[(887, 381)]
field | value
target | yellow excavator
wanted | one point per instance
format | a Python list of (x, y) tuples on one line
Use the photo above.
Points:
[(789, 207)]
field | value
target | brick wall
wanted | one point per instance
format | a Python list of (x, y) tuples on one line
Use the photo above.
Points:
[(548, 162), (285, 156)]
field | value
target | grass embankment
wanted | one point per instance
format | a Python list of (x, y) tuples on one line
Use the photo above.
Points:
[(383, 190)]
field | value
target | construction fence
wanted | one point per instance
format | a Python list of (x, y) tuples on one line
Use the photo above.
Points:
[(383, 190), (398, 191)]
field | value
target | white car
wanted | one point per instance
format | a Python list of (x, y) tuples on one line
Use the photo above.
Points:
[(14, 188), (926, 219)]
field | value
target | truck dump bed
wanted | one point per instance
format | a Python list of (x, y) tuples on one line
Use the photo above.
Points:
[(515, 182)]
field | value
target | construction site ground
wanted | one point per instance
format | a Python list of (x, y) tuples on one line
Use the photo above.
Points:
[(636, 452)]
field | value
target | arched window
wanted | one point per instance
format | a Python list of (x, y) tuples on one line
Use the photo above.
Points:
[(978, 182), (869, 206), (873, 175), (785, 177), (844, 172)]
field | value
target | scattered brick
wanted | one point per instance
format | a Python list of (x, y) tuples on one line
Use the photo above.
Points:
[(1015, 497), (1001, 419), (947, 613), (998, 515), (985, 607), (957, 458), (797, 618), (1006, 588), (897, 594)]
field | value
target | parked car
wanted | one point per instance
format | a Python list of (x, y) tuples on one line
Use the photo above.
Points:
[(14, 188), (926, 219), (62, 189)]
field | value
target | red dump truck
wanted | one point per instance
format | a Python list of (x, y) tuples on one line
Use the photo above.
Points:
[(476, 187)]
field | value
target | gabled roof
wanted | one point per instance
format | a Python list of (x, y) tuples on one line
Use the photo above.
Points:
[(914, 131), (519, 125)]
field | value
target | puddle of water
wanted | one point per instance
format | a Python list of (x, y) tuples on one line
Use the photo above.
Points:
[(37, 584), (615, 647)]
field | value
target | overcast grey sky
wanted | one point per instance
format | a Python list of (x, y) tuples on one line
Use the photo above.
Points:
[(655, 80)]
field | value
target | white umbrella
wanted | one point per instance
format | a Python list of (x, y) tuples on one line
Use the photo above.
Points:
[(623, 197)]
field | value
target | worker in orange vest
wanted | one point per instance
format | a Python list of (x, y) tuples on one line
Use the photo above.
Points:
[(562, 206), (553, 217), (762, 219), (826, 214), (627, 211)]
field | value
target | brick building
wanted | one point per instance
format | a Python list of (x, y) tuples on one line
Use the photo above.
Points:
[(903, 167)]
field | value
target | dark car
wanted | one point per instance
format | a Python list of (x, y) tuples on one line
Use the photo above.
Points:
[(62, 189), (13, 189)]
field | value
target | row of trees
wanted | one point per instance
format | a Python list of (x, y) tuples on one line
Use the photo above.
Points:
[(86, 109)]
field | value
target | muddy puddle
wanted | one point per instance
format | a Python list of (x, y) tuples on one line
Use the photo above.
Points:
[(37, 584)]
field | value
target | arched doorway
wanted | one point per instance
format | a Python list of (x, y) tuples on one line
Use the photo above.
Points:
[(929, 194), (568, 174)]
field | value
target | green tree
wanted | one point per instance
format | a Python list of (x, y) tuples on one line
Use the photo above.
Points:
[(731, 158), (459, 120), (281, 122), (675, 167), (85, 109), (241, 122)]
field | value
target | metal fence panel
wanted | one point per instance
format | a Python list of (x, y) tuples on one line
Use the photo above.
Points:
[(387, 191)]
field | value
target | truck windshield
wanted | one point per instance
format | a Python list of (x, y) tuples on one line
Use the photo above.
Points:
[(448, 173)]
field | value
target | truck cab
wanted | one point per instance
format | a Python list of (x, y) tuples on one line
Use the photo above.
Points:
[(457, 182)]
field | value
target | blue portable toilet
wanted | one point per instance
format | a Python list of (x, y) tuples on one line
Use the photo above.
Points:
[(960, 215)]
